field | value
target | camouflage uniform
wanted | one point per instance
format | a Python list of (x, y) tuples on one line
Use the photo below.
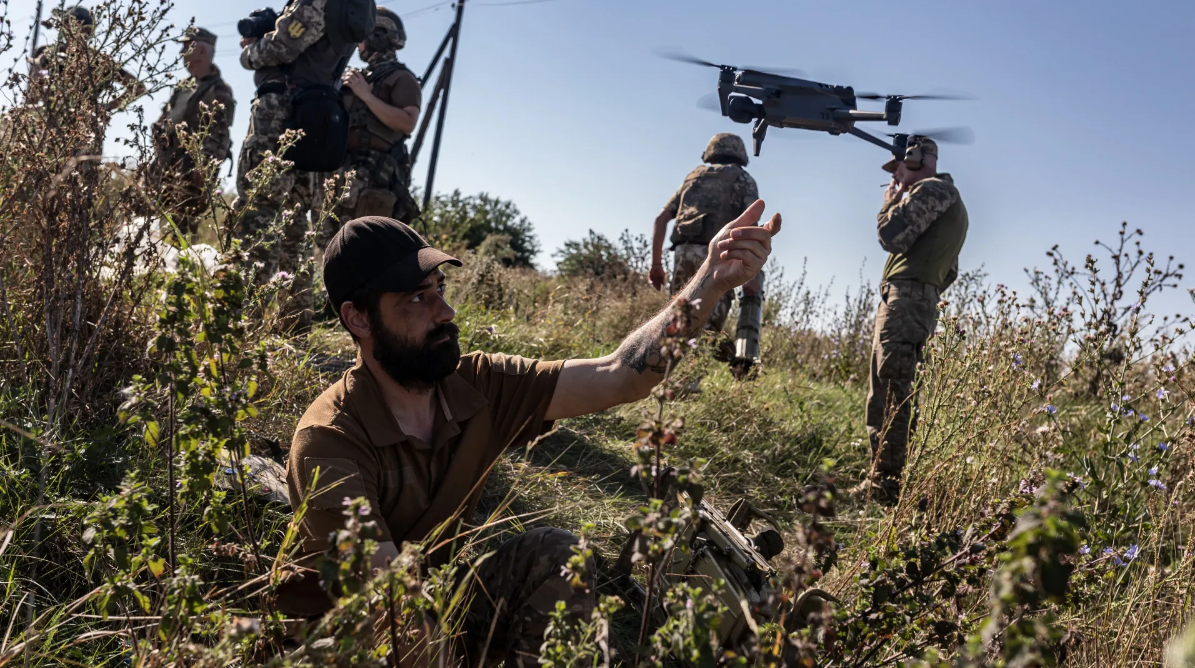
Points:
[(712, 195), (923, 233), (377, 170), (513, 593), (191, 104), (298, 34)]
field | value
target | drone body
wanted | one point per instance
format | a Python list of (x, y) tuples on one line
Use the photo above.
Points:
[(748, 95)]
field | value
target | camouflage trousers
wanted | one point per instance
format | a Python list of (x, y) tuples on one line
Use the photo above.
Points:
[(514, 591), (375, 184), (288, 197), (687, 260), (905, 319)]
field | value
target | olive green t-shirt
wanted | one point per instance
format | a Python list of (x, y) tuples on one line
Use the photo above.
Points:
[(492, 402)]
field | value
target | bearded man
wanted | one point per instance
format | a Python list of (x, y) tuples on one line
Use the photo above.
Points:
[(415, 427)]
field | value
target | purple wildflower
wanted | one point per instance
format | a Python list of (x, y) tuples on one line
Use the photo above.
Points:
[(1131, 553), (364, 510), (1163, 447), (1115, 408), (1050, 409), (1162, 392), (1153, 470), (1084, 549), (1168, 368), (1144, 417), (1036, 384), (1126, 398), (1161, 486)]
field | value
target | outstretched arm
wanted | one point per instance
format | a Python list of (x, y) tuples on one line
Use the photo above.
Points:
[(736, 255), (656, 274)]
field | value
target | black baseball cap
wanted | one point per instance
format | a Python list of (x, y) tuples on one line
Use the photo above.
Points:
[(378, 253)]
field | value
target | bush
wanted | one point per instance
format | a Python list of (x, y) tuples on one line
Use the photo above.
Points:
[(465, 223)]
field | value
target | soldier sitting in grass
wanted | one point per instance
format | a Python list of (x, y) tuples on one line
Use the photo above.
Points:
[(415, 427)]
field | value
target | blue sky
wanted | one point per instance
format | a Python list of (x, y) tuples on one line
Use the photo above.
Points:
[(559, 105)]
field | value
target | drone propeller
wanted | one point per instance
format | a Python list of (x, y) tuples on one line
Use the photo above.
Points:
[(709, 102), (682, 56), (929, 96), (958, 135)]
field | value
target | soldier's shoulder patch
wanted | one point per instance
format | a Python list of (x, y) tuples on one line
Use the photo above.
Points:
[(296, 29)]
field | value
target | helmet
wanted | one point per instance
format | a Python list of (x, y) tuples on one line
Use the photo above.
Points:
[(727, 147), (388, 33), (78, 13)]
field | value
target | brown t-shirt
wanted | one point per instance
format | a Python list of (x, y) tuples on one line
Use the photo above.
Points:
[(492, 402), (400, 89)]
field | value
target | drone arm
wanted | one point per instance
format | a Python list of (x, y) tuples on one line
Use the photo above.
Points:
[(869, 138)]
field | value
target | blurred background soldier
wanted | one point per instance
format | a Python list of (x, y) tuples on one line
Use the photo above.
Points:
[(922, 225), (49, 60), (712, 195), (383, 102), (296, 54), (204, 95)]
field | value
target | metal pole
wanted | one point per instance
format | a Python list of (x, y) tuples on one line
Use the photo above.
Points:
[(36, 28), (450, 64), (439, 52), (425, 122)]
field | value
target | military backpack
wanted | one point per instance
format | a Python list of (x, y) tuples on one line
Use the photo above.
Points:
[(706, 203)]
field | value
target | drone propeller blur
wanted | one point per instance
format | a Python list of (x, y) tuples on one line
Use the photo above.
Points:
[(775, 99)]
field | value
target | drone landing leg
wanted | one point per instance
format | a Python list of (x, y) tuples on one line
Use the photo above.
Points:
[(758, 133)]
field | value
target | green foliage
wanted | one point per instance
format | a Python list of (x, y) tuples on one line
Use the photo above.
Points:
[(455, 221), (595, 256)]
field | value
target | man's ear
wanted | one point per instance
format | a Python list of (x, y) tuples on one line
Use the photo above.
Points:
[(356, 321)]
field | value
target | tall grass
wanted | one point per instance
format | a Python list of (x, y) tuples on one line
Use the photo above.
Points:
[(1047, 514)]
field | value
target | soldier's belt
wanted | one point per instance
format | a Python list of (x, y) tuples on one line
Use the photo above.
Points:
[(271, 87), (363, 139)]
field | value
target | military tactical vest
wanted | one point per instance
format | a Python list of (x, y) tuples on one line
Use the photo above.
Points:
[(361, 118), (706, 203), (935, 252)]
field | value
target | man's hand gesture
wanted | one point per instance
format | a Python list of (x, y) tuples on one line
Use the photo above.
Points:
[(741, 249)]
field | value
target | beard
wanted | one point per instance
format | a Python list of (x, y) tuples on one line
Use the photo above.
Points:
[(419, 366)]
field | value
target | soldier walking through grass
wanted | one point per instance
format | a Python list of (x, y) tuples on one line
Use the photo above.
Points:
[(202, 96), (712, 195), (922, 224), (415, 427)]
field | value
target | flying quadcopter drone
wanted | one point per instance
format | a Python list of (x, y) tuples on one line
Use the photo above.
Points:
[(776, 100)]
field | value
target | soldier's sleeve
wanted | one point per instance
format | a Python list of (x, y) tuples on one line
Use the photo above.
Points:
[(900, 223), (218, 138), (673, 206), (745, 192), (300, 26)]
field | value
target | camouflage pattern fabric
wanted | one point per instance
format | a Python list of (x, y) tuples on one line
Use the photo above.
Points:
[(514, 591), (375, 183), (902, 222), (185, 187), (725, 146), (924, 232), (289, 197), (710, 197), (905, 319), (300, 26)]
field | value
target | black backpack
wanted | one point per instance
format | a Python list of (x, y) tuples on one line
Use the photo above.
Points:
[(319, 113)]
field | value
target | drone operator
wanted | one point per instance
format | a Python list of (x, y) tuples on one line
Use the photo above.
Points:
[(415, 427), (922, 224), (712, 195)]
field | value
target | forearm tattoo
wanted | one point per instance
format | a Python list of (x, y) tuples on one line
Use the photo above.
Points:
[(641, 350)]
